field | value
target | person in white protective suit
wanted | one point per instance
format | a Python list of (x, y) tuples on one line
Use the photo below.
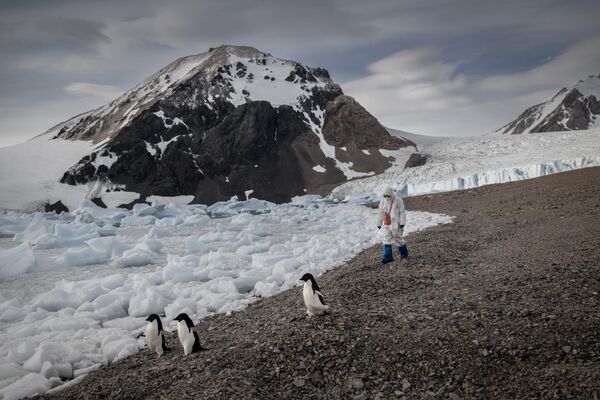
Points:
[(391, 230)]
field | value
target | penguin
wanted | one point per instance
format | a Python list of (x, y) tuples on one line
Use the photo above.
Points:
[(155, 340), (313, 298), (187, 337)]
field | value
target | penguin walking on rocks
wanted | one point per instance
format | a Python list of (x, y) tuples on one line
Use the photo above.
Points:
[(155, 340), (313, 298), (187, 337)]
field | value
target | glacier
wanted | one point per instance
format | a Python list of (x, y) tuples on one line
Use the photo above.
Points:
[(465, 163), (500, 175)]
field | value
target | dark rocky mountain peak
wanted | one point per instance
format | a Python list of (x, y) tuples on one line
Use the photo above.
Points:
[(231, 121)]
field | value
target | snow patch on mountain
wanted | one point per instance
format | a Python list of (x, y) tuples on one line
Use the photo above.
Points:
[(268, 78)]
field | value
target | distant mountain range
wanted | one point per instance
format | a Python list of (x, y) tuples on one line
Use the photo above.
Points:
[(231, 121), (573, 108)]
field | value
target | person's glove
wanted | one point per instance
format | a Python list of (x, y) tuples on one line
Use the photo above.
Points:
[(378, 226)]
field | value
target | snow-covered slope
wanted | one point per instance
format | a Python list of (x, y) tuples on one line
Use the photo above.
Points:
[(462, 163), (30, 173), (421, 141), (575, 107)]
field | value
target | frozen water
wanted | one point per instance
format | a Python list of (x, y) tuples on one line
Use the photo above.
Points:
[(68, 306)]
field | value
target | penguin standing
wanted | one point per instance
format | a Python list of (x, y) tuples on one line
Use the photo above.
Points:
[(187, 337), (155, 340), (313, 298)]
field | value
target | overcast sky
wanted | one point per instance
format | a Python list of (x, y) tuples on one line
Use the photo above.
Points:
[(442, 68)]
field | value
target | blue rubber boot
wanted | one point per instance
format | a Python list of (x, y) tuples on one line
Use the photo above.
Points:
[(403, 250), (387, 254)]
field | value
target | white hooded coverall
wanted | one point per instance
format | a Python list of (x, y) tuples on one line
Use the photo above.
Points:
[(392, 234)]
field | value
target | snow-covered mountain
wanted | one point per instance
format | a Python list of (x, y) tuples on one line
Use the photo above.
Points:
[(231, 121), (573, 108)]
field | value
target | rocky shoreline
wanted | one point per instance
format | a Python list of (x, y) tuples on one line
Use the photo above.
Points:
[(503, 303)]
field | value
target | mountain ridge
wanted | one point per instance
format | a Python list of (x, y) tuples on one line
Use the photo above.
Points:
[(228, 121), (575, 107)]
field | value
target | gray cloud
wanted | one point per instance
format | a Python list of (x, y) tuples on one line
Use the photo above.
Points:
[(47, 46), (102, 92), (72, 29), (416, 90)]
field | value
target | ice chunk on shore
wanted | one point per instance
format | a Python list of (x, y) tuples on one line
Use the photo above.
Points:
[(18, 260), (148, 301), (232, 207), (12, 223), (96, 251), (29, 385), (143, 253)]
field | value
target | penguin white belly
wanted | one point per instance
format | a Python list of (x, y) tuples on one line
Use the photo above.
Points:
[(154, 338), (186, 337), (312, 302)]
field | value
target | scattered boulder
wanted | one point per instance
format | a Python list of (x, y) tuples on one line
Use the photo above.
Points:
[(57, 207), (415, 160)]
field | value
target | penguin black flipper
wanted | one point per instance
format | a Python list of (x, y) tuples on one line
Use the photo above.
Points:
[(321, 298), (164, 344), (197, 345)]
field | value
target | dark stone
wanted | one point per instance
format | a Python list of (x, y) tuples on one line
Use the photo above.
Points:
[(415, 160), (320, 73), (57, 207), (98, 201)]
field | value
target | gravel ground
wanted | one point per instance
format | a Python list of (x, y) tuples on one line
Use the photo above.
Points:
[(502, 304)]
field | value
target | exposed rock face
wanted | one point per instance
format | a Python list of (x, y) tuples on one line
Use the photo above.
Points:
[(416, 160), (357, 135), (226, 122), (573, 108)]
